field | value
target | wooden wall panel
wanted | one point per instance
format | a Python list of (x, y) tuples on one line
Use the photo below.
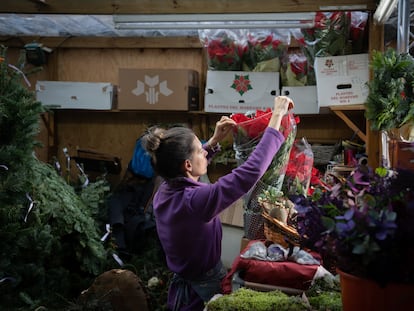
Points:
[(113, 132), (116, 132), (101, 65), (327, 128)]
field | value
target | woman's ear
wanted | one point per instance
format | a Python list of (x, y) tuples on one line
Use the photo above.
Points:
[(188, 167)]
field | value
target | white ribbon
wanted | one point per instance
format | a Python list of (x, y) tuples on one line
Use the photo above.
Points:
[(108, 232), (86, 182), (22, 73), (7, 278), (30, 206), (118, 260)]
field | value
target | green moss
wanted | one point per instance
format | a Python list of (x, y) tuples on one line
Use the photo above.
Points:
[(323, 295), (326, 301), (246, 299)]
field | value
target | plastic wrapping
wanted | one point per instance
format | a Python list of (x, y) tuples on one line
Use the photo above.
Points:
[(246, 135), (299, 169)]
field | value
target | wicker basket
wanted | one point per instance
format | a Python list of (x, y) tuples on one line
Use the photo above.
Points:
[(278, 232), (322, 154)]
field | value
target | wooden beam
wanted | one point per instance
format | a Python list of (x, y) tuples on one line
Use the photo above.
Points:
[(179, 6), (373, 145), (105, 42), (339, 111)]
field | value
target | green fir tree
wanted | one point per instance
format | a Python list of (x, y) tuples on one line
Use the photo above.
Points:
[(50, 248)]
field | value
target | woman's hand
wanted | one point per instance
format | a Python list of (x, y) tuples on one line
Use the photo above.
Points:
[(223, 127), (282, 105)]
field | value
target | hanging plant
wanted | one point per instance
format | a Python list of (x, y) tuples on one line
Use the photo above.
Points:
[(390, 102)]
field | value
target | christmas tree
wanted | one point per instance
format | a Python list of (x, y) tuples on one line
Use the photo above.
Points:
[(49, 239)]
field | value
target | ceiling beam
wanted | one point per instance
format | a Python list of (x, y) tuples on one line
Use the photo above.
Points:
[(179, 6)]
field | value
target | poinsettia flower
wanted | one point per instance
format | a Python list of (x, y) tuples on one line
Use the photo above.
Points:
[(240, 117), (253, 126), (264, 50), (224, 48)]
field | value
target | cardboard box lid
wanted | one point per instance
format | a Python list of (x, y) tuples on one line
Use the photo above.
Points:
[(240, 91)]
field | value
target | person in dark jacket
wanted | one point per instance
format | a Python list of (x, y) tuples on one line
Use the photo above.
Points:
[(187, 210)]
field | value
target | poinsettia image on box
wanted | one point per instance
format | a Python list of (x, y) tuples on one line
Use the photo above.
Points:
[(241, 83)]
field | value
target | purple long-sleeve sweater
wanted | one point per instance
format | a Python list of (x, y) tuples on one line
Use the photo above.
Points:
[(186, 211)]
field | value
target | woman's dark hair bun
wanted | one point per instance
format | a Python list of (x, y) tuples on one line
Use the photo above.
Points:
[(152, 138)]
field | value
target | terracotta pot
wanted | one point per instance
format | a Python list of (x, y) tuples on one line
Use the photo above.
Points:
[(366, 295)]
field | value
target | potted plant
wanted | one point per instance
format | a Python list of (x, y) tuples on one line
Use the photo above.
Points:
[(276, 204), (365, 225), (390, 102)]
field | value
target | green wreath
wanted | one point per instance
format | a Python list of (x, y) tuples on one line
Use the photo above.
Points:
[(390, 102)]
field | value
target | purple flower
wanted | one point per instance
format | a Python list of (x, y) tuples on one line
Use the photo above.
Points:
[(364, 224)]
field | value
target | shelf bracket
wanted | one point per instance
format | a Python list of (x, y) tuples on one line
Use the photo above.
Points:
[(338, 110)]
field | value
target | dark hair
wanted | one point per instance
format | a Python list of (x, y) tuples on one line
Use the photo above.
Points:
[(168, 149)]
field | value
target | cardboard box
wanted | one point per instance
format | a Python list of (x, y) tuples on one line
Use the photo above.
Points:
[(342, 80), (304, 97), (240, 91), (75, 95), (158, 89)]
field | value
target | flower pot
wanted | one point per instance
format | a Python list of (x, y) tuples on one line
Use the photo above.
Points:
[(366, 295)]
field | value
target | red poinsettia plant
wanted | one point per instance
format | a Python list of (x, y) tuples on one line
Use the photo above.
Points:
[(248, 132), (225, 49), (299, 168), (264, 50), (294, 69), (250, 126), (329, 37), (358, 32), (246, 135)]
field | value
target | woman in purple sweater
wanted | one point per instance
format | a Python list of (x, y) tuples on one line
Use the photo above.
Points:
[(187, 210)]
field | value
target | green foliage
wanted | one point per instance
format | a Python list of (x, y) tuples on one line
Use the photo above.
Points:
[(245, 299), (50, 244), (390, 102)]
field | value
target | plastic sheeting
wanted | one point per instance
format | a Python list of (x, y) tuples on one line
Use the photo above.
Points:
[(51, 25)]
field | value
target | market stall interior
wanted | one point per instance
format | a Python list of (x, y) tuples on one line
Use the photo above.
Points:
[(106, 71)]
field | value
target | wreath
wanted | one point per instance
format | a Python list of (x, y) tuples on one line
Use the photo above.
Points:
[(390, 101)]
